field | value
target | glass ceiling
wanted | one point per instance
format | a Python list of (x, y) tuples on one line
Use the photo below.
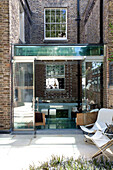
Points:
[(90, 50)]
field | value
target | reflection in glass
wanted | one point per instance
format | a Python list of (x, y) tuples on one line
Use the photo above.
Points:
[(55, 77), (23, 95), (55, 22), (58, 50), (92, 76), (55, 83)]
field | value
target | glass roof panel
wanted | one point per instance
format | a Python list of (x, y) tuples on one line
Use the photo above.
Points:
[(90, 50)]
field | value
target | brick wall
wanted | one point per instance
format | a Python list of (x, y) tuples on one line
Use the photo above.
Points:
[(14, 8), (37, 31), (90, 22), (27, 30), (110, 50), (9, 33), (83, 6), (90, 33), (34, 33), (4, 66), (90, 26)]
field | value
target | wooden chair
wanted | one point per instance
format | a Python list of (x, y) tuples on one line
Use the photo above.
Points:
[(39, 119), (104, 117), (102, 142)]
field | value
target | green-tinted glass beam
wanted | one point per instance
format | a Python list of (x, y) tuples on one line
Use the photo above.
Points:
[(59, 51)]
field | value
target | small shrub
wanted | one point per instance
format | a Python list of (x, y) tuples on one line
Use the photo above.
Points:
[(62, 163)]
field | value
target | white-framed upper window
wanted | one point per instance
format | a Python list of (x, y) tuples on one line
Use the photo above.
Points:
[(55, 23), (55, 77)]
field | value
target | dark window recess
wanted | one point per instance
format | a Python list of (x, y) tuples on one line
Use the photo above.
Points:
[(62, 113), (111, 73), (61, 83), (16, 94)]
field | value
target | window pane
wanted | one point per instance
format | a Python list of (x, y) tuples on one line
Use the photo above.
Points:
[(47, 19), (55, 70), (58, 12), (57, 27), (23, 95), (63, 18), (48, 73), (58, 18), (47, 33), (60, 34), (62, 69), (63, 34), (53, 12), (63, 12), (48, 27), (52, 18), (53, 27), (24, 75), (53, 34), (55, 83), (47, 11), (57, 33), (63, 27)]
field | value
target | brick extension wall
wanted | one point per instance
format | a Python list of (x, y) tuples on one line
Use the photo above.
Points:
[(14, 7), (110, 50), (90, 30), (90, 23), (4, 66), (9, 33)]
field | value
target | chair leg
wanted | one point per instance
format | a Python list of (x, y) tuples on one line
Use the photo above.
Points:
[(100, 151), (96, 154)]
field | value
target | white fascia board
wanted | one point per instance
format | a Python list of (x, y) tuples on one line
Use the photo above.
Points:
[(94, 58), (32, 58)]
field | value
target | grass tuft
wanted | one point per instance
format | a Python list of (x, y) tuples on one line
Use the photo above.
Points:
[(62, 163)]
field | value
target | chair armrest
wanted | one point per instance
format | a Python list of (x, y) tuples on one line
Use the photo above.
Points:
[(108, 134), (89, 125), (43, 115)]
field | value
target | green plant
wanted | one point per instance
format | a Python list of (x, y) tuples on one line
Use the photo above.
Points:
[(62, 163), (111, 26)]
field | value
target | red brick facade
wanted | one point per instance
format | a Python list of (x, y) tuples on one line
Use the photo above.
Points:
[(9, 33), (90, 28), (34, 33)]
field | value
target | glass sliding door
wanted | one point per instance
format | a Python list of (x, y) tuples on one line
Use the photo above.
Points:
[(23, 95), (92, 85)]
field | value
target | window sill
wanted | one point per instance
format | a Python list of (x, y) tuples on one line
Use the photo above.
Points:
[(55, 40), (56, 90)]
